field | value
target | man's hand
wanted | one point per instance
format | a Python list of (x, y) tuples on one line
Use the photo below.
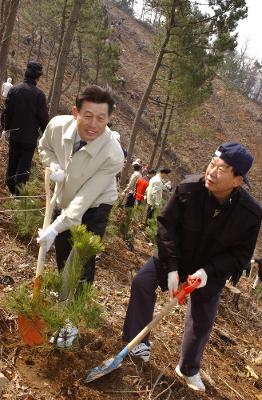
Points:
[(46, 237), (57, 173), (172, 282), (200, 274), (4, 135)]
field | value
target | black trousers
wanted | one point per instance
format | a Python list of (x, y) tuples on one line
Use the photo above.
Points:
[(149, 212), (19, 164), (200, 316), (95, 220), (130, 201)]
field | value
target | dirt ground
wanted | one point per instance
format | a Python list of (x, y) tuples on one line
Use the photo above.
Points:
[(232, 365)]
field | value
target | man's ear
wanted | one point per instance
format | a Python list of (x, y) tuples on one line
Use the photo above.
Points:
[(74, 111), (238, 181)]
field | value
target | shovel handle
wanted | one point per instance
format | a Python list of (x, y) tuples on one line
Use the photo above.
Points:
[(41, 253), (188, 287), (50, 203)]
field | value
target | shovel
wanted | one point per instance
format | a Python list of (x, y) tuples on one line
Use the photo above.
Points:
[(113, 363), (32, 330)]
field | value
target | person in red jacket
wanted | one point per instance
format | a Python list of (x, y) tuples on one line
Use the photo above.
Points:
[(141, 186)]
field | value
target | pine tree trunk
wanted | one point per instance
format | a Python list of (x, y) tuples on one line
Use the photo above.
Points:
[(62, 32), (32, 45), (97, 67), (3, 17), (159, 133), (162, 149), (6, 37), (80, 65), (39, 48), (18, 39), (158, 136), (49, 59), (142, 12), (146, 95), (62, 60), (65, 89)]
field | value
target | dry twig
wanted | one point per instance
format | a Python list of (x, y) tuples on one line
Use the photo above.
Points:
[(230, 387)]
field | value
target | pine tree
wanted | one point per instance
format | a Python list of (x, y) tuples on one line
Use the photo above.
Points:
[(197, 41), (8, 16), (100, 53), (62, 58)]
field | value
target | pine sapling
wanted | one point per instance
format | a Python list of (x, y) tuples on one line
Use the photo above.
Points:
[(77, 307)]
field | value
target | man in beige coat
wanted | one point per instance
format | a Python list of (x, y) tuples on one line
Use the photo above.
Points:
[(82, 153)]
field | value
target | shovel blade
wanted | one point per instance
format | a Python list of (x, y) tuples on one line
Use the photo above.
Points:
[(32, 331), (106, 368)]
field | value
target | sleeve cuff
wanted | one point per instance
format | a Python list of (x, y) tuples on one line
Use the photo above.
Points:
[(170, 264)]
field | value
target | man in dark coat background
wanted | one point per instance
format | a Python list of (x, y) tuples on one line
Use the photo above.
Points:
[(24, 113)]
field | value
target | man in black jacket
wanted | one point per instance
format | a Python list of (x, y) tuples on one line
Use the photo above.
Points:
[(24, 113), (207, 230)]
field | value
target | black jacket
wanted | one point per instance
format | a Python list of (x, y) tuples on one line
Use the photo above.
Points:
[(25, 112), (194, 232)]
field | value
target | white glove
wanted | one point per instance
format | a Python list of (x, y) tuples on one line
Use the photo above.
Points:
[(57, 173), (200, 274), (4, 135), (46, 237), (172, 282)]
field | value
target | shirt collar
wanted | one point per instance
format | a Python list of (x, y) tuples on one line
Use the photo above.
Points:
[(231, 199)]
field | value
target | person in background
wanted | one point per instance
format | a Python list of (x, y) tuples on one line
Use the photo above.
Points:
[(158, 100), (6, 86), (169, 186), (207, 230), (122, 84), (25, 112), (154, 192), (137, 162), (129, 191), (141, 186)]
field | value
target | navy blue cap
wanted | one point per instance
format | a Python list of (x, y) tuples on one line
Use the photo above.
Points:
[(237, 156)]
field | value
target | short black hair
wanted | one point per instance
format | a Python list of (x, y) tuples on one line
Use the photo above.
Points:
[(165, 170), (96, 94), (235, 172), (151, 171), (33, 70), (137, 167)]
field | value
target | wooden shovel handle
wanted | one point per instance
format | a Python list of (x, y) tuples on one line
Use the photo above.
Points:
[(47, 218), (187, 288)]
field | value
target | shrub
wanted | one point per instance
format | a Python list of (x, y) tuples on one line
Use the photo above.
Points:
[(26, 215)]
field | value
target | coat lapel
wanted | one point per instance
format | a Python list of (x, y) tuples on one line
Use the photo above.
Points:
[(69, 139)]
